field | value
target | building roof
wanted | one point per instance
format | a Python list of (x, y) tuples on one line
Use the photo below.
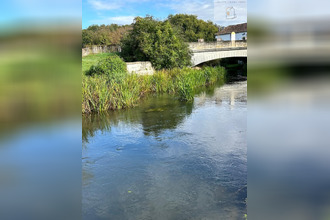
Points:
[(233, 28)]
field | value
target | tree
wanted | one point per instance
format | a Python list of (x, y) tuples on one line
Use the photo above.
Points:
[(193, 28), (86, 38), (157, 42), (104, 34), (117, 34)]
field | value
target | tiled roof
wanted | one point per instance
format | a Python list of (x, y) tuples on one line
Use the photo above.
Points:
[(234, 28)]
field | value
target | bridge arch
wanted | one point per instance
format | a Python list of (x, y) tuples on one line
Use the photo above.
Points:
[(199, 57)]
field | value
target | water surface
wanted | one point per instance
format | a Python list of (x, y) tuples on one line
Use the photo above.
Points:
[(168, 160)]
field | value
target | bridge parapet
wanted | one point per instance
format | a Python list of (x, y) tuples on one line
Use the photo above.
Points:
[(195, 46)]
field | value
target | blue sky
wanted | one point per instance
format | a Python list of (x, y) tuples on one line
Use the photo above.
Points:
[(109, 11), (124, 11), (39, 9)]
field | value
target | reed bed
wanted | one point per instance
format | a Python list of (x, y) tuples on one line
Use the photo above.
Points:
[(101, 92)]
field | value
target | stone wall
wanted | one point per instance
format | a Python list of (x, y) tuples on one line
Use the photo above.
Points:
[(195, 46), (100, 49), (241, 43), (142, 68)]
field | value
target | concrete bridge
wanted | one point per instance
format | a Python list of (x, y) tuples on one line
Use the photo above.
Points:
[(204, 52)]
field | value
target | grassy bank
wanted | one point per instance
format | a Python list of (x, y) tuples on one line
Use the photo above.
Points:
[(99, 93)]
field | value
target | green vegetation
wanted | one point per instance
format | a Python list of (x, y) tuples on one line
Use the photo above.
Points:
[(112, 66), (189, 27), (163, 43), (100, 92), (106, 84), (104, 34), (91, 60), (192, 28), (157, 42)]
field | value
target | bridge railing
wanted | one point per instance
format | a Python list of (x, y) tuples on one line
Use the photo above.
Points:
[(195, 46)]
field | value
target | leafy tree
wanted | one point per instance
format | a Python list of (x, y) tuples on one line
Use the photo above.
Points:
[(93, 27), (104, 34), (193, 28), (87, 37), (157, 42), (117, 34), (190, 28)]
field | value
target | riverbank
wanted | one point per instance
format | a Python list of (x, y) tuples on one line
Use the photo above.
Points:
[(101, 94)]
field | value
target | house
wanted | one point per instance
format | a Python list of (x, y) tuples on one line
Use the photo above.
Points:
[(232, 32)]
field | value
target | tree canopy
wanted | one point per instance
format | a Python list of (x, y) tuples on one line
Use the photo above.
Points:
[(157, 42), (193, 28), (188, 26), (104, 34)]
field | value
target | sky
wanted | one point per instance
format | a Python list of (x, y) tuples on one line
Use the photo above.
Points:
[(117, 11), (39, 9), (124, 11)]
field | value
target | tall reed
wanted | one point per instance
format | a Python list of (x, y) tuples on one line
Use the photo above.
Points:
[(100, 93)]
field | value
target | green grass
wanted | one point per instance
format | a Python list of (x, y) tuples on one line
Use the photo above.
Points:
[(99, 93), (92, 59)]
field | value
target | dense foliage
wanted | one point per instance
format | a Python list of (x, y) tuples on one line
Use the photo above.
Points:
[(190, 27), (112, 66), (193, 28), (157, 42), (104, 34), (100, 94)]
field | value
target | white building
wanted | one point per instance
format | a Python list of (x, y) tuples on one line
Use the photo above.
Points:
[(238, 31)]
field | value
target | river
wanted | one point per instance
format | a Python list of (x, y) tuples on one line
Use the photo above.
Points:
[(168, 160)]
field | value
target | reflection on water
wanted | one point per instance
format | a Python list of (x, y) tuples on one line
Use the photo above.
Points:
[(167, 159)]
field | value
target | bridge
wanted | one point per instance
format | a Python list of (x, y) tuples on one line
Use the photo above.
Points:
[(203, 52)]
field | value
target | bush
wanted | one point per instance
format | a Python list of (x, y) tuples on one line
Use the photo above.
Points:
[(157, 42), (112, 66)]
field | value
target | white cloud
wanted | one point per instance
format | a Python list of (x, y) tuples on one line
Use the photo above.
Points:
[(123, 19), (104, 5), (204, 9)]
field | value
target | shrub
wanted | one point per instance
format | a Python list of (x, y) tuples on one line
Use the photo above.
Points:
[(112, 66), (157, 42)]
